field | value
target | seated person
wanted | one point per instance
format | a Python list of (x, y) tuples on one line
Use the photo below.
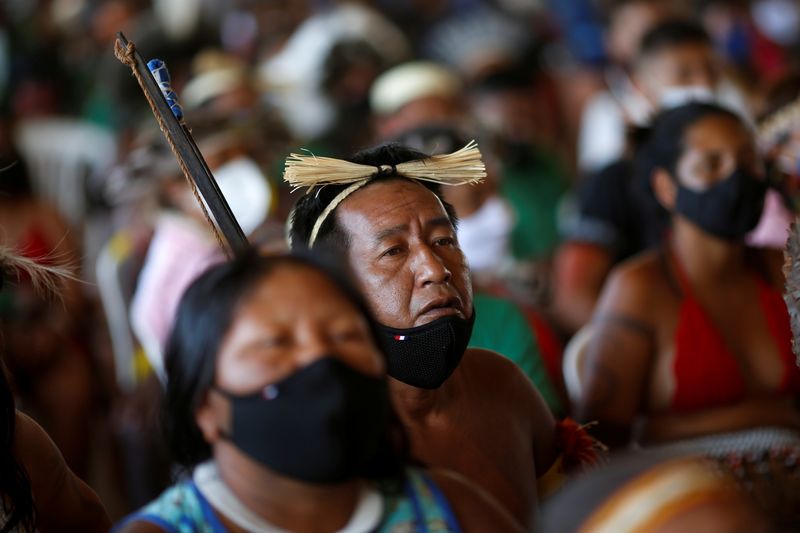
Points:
[(277, 398), (466, 409), (694, 337), (617, 216), (609, 112), (38, 491), (180, 223), (46, 344), (506, 104)]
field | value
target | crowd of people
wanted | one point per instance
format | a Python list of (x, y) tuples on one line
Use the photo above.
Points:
[(512, 266)]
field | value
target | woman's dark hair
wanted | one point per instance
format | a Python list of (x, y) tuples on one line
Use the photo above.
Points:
[(309, 207), (16, 499), (204, 315), (661, 144)]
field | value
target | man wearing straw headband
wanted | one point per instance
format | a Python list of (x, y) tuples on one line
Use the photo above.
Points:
[(466, 409)]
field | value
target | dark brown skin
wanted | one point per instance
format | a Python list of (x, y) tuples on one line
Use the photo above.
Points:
[(486, 421), (628, 366), (267, 344), (63, 502)]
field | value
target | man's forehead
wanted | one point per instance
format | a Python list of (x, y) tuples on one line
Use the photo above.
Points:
[(389, 204)]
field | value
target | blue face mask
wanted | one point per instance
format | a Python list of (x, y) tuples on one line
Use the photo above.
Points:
[(729, 209)]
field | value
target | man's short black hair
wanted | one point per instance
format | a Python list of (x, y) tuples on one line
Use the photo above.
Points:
[(672, 33), (309, 207)]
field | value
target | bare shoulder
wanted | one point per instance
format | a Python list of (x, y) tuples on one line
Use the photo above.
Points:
[(481, 360), (633, 287), (489, 370), (35, 449), (62, 499), (503, 388), (473, 507), (641, 270)]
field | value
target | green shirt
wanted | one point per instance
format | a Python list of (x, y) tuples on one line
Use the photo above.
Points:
[(534, 190)]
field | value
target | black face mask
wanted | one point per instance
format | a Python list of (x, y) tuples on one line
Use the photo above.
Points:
[(322, 424), (728, 209), (425, 356)]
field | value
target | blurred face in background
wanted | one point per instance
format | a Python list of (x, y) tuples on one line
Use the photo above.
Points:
[(420, 112), (629, 23), (689, 65)]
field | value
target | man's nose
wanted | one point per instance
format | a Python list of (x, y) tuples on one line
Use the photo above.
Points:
[(704, 77), (429, 267)]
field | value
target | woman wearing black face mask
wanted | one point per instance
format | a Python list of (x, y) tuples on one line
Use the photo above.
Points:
[(276, 398), (693, 339)]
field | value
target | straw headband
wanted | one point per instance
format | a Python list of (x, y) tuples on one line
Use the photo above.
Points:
[(458, 168)]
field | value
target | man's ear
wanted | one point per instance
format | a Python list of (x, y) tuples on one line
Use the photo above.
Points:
[(213, 417), (664, 188)]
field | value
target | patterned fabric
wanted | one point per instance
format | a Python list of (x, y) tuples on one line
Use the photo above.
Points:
[(421, 507)]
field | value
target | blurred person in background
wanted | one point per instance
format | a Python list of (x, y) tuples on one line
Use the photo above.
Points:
[(415, 94), (709, 176), (691, 344), (665, 66), (512, 101), (319, 79), (531, 177), (181, 224), (617, 215), (46, 343), (38, 490), (277, 402), (606, 117)]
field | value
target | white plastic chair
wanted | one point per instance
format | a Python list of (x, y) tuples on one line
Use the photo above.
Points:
[(62, 153), (572, 363)]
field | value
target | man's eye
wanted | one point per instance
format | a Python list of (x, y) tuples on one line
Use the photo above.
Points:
[(444, 241), (392, 251)]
